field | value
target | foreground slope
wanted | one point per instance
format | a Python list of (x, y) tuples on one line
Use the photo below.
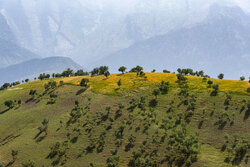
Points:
[(127, 126)]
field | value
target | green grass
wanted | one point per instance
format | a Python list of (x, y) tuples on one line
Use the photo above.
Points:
[(19, 125)]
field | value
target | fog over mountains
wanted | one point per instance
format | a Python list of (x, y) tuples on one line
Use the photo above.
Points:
[(183, 33)]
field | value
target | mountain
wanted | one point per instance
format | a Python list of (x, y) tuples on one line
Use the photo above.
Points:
[(11, 53), (32, 68), (89, 30), (106, 125), (213, 45)]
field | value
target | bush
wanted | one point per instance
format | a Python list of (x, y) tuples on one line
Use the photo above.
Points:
[(84, 82), (9, 103), (28, 163), (215, 91), (248, 90)]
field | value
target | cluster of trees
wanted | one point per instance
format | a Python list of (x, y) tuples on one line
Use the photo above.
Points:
[(9, 85), (189, 71), (67, 73), (138, 70), (11, 104), (44, 76), (50, 85), (236, 149), (102, 70)]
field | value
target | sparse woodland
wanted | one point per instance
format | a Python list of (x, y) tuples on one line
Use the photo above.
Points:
[(134, 119)]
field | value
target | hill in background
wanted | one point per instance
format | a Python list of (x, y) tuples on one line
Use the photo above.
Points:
[(32, 68)]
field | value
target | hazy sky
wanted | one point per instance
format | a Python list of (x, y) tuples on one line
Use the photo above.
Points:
[(128, 5)]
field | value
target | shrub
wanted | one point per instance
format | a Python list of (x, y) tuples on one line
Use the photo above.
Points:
[(84, 82), (215, 91), (248, 90), (9, 103), (164, 87), (61, 83), (28, 163), (119, 83)]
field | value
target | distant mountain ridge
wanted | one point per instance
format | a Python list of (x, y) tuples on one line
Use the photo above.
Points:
[(215, 45), (32, 68), (10, 52)]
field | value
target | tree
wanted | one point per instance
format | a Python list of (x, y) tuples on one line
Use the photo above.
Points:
[(122, 69), (26, 80), (242, 78), (153, 70), (181, 78), (156, 92), (32, 93), (166, 71), (94, 72), (137, 69), (215, 91), (106, 74), (119, 83), (6, 85), (164, 87), (43, 127), (14, 155), (81, 73), (179, 70), (221, 76), (9, 103), (210, 83), (84, 82), (248, 90), (67, 73), (103, 70)]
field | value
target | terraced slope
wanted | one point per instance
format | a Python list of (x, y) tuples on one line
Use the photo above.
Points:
[(104, 125)]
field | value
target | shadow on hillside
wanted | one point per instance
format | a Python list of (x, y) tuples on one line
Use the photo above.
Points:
[(29, 100), (4, 111), (242, 109), (80, 91), (10, 163), (247, 114)]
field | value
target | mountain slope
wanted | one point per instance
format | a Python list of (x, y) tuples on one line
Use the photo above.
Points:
[(11, 53), (32, 68), (104, 125), (87, 31), (212, 46)]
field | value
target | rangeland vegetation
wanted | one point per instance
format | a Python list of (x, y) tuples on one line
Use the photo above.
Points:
[(128, 119)]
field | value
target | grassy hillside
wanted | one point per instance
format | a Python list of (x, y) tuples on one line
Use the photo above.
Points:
[(104, 125)]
